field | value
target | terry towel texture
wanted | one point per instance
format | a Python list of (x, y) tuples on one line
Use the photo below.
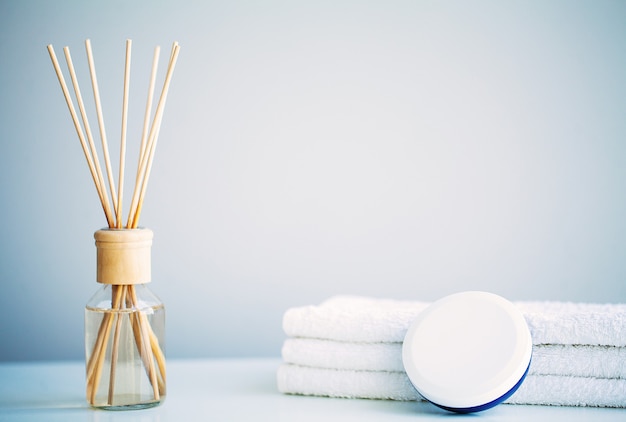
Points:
[(367, 320), (537, 389), (548, 359), (351, 347)]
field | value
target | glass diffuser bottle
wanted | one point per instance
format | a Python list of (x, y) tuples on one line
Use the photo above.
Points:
[(124, 325), (124, 321)]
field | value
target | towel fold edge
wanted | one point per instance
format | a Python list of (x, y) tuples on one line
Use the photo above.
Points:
[(536, 390), (362, 319), (582, 361)]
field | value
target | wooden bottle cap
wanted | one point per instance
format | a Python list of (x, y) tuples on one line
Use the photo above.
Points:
[(123, 256)]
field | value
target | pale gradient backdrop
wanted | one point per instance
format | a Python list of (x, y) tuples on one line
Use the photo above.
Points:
[(401, 149)]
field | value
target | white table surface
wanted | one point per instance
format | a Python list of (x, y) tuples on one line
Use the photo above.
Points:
[(231, 390)]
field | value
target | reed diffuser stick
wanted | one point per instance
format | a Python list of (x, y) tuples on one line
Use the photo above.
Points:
[(92, 146), (146, 119), (156, 349), (144, 135), (103, 134), (93, 377), (154, 131), (116, 342), (146, 350), (81, 136), (120, 189)]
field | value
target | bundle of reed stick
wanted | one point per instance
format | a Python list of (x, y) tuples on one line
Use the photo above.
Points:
[(123, 296)]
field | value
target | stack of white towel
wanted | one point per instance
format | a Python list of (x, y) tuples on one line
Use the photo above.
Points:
[(352, 347)]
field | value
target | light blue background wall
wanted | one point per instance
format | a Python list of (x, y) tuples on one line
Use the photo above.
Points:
[(403, 149)]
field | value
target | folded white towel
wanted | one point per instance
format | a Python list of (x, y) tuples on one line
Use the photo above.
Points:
[(343, 355), (353, 319), (369, 320), (536, 389), (581, 361), (304, 380)]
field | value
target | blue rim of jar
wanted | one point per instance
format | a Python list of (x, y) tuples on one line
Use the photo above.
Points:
[(485, 406)]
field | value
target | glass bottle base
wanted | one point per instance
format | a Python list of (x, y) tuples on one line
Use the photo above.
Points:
[(125, 357), (136, 406)]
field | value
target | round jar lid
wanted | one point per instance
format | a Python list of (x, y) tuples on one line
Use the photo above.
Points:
[(468, 351)]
